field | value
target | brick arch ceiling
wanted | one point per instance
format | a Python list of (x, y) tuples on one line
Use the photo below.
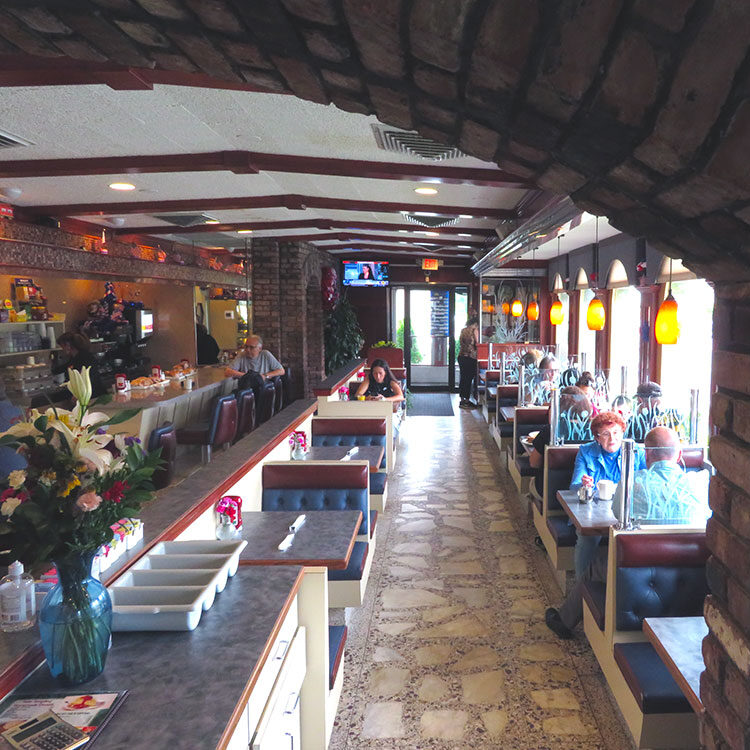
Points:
[(637, 109)]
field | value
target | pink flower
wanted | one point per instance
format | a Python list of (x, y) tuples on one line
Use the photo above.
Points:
[(88, 501)]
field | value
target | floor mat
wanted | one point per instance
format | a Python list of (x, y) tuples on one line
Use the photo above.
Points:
[(430, 405)]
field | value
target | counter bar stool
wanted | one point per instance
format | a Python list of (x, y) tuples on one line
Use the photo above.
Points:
[(164, 437), (245, 413), (265, 399), (219, 430)]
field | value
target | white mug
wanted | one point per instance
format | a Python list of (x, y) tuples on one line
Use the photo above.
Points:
[(606, 489)]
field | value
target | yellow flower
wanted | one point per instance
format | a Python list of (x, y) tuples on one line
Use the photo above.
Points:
[(73, 482), (81, 467)]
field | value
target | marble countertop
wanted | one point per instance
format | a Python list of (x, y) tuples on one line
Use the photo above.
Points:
[(679, 643), (591, 519), (326, 538), (172, 510), (172, 389), (184, 686)]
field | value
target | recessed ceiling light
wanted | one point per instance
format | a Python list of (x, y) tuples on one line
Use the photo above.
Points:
[(10, 192), (426, 190), (211, 221), (403, 231), (432, 234), (244, 231), (463, 234), (122, 186), (465, 216), (469, 246)]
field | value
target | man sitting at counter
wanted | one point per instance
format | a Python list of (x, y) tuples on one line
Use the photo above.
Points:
[(255, 358)]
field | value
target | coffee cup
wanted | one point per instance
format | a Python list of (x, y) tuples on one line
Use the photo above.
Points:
[(606, 489)]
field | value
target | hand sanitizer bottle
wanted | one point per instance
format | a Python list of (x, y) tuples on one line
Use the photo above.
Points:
[(17, 602)]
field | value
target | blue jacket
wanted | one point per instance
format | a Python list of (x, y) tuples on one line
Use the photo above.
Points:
[(591, 461)]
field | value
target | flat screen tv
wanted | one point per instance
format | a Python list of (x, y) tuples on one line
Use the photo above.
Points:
[(144, 324), (366, 273)]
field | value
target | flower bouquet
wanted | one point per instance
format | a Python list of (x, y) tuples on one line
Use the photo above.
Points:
[(79, 481), (298, 441), (343, 393)]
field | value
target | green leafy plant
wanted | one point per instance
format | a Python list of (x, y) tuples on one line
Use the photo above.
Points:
[(387, 345), (416, 355), (343, 336)]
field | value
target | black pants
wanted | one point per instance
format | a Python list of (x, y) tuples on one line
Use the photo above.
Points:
[(468, 369)]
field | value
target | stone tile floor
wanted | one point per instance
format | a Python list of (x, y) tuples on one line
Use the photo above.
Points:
[(450, 649)]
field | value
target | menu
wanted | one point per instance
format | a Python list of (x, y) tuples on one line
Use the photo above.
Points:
[(89, 712)]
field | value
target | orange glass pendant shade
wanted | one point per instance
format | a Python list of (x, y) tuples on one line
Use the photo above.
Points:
[(532, 311), (516, 308), (505, 308), (595, 315), (556, 313), (667, 327)]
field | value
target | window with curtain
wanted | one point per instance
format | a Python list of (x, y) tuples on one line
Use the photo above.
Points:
[(586, 337), (687, 364), (625, 322)]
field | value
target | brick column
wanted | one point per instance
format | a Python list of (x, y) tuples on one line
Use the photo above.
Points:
[(287, 307), (725, 685)]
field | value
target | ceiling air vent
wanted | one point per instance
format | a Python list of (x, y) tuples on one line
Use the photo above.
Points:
[(430, 221), (7, 140), (184, 220), (404, 142)]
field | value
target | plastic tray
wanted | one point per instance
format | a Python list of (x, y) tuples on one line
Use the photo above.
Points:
[(170, 586)]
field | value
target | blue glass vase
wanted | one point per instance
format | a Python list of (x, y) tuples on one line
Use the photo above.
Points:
[(75, 621)]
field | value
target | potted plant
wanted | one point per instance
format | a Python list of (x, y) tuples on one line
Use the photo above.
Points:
[(80, 480), (343, 337)]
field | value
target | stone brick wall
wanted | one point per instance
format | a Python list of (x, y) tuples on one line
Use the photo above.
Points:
[(637, 109), (287, 307), (725, 685)]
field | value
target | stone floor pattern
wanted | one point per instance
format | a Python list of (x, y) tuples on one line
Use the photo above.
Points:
[(449, 649)]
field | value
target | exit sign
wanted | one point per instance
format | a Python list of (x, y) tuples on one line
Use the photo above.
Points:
[(430, 264)]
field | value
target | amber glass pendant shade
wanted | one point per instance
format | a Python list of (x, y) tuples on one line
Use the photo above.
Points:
[(556, 313), (505, 308), (516, 308), (532, 311), (667, 327), (595, 315)]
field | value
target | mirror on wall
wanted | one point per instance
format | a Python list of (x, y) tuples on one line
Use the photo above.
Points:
[(226, 315)]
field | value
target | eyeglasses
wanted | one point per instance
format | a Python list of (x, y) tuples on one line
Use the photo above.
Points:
[(608, 435)]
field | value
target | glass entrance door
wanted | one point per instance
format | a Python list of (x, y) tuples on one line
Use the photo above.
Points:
[(426, 323)]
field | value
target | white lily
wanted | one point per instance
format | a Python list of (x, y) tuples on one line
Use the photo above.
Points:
[(79, 384), (87, 446), (9, 505)]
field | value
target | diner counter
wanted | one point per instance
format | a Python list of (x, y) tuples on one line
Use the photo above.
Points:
[(184, 686), (172, 402)]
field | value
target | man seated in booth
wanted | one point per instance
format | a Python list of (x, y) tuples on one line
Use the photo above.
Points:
[(256, 359), (646, 410), (661, 493)]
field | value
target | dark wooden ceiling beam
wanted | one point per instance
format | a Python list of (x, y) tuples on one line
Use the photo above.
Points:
[(250, 162), (292, 202), (311, 223), (349, 237), (413, 249)]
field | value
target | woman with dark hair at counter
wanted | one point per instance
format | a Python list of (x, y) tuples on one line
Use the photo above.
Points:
[(76, 353)]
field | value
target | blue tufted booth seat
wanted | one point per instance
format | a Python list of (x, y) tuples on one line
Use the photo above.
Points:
[(595, 595), (648, 678), (328, 431), (658, 575), (355, 569), (301, 487), (524, 466), (562, 531), (336, 640), (373, 522), (378, 481)]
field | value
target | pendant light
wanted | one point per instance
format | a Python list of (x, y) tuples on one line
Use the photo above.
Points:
[(532, 311), (516, 308), (556, 315), (595, 315), (505, 308), (666, 326)]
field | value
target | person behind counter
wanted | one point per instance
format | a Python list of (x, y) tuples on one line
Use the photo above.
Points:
[(255, 358), (76, 351), (207, 348)]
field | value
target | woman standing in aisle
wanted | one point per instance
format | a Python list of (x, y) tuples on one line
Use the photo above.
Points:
[(467, 360)]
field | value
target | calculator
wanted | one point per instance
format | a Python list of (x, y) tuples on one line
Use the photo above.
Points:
[(45, 732)]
